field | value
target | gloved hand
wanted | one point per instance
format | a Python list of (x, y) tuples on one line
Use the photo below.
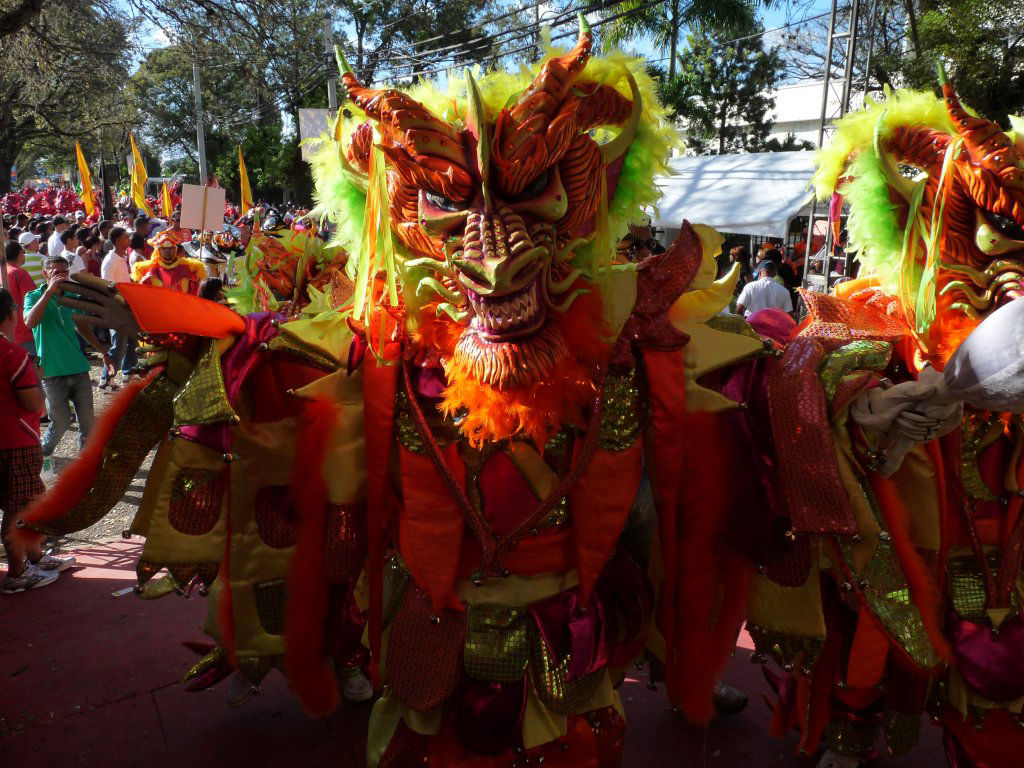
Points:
[(908, 414), (877, 410)]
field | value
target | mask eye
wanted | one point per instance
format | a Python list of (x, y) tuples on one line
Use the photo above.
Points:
[(443, 203), (1005, 226), (534, 188)]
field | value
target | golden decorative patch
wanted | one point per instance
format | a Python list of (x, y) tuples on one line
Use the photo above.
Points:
[(497, 647), (202, 399)]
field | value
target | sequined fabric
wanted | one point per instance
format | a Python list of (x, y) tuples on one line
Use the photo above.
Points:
[(285, 343), (622, 411), (255, 668), (976, 432), (274, 513), (884, 588), (143, 425), (790, 651), (203, 399), (346, 542), (609, 736), (732, 324), (849, 738), (835, 321), (661, 279), (197, 498), (550, 675), (496, 647), (902, 730), (396, 579), (813, 491), (270, 600), (178, 577), (855, 356), (966, 586), (424, 657), (787, 560), (444, 430)]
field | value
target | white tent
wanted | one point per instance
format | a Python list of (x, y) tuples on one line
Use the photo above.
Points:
[(754, 194)]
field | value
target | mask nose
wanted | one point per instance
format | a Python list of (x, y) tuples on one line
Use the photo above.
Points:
[(498, 254)]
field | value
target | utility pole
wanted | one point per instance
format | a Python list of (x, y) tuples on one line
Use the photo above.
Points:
[(332, 82), (200, 133)]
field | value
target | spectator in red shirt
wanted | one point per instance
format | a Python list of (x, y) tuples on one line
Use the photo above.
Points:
[(19, 282), (21, 458)]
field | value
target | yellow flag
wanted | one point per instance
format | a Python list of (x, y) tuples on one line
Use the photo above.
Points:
[(244, 179), (168, 205), (139, 177), (83, 174)]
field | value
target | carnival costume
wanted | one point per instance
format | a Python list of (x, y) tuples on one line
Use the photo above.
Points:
[(451, 452), (175, 271), (892, 582), (289, 269)]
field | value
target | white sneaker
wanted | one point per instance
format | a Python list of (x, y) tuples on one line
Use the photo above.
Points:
[(356, 688), (32, 577), (55, 563)]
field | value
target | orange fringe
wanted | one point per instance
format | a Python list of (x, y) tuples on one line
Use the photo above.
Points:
[(923, 589), (77, 478), (309, 672), (536, 411)]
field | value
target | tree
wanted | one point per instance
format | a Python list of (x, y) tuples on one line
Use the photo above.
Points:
[(981, 42), (665, 22), (15, 16), (58, 85), (790, 143), (720, 92)]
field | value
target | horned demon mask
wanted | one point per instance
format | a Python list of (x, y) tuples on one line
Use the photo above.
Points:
[(488, 215), (937, 209)]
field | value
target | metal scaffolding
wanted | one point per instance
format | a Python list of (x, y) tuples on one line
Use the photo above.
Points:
[(836, 94)]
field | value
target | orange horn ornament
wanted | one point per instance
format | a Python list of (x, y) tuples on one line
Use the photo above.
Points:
[(423, 148), (984, 140)]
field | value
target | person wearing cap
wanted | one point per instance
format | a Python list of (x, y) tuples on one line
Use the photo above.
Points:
[(764, 292), (54, 247), (80, 216), (29, 241), (170, 267)]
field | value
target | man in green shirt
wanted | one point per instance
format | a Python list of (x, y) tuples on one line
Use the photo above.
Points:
[(65, 369)]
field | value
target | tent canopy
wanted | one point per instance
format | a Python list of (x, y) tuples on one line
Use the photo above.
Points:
[(754, 194)]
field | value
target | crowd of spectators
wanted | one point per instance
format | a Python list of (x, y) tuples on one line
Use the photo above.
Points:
[(46, 353)]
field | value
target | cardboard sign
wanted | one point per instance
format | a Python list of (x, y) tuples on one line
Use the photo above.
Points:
[(312, 125), (202, 208)]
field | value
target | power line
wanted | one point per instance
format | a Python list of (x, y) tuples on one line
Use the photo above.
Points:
[(600, 22), (531, 29), (482, 23), (562, 22)]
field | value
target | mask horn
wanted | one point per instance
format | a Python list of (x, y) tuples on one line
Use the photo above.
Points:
[(984, 140)]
